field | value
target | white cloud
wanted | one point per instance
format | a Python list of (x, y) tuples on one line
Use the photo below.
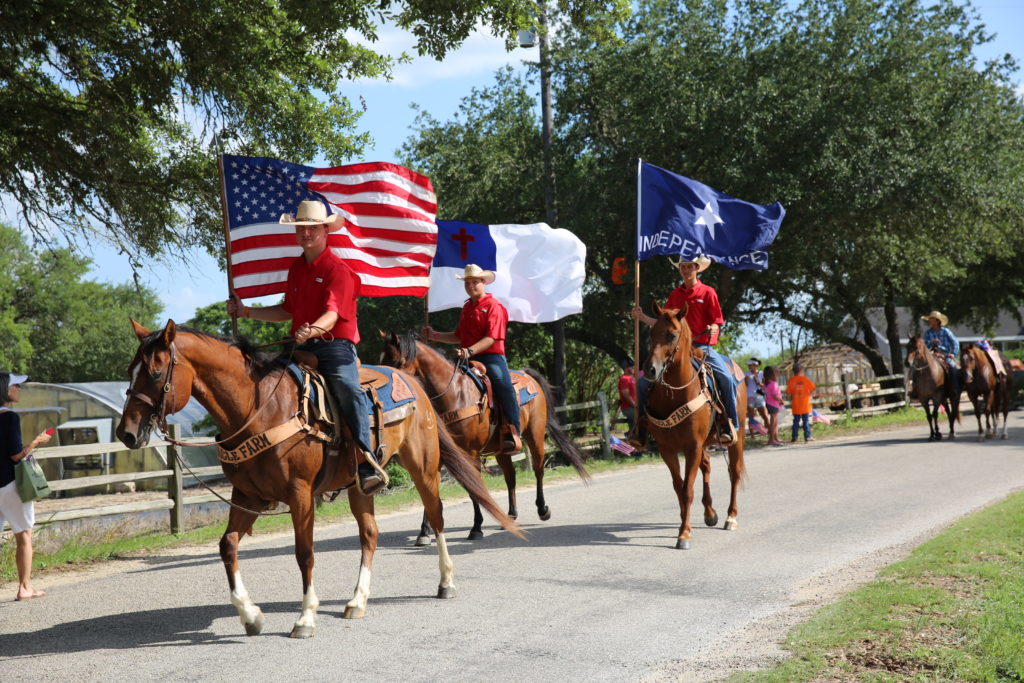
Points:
[(481, 54)]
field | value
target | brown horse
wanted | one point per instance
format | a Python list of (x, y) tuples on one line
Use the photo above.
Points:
[(680, 418), (931, 387), (473, 424), (246, 397), (990, 394)]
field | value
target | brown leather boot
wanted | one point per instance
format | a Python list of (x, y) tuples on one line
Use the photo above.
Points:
[(510, 441), (370, 477)]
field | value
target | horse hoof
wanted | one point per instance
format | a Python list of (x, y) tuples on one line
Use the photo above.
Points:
[(951, 437), (513, 516), (303, 631), (422, 541), (353, 612), (683, 544), (544, 513), (256, 627), (446, 592), (475, 535), (1004, 437), (711, 520), (730, 525)]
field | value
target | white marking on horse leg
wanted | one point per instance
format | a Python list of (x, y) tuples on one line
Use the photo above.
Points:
[(248, 612), (444, 562), (362, 594), (310, 603)]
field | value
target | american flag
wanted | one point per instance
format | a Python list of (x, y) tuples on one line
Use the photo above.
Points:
[(621, 446), (388, 235)]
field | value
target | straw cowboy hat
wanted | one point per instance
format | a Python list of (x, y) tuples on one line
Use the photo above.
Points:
[(943, 320), (702, 262), (473, 270), (312, 212)]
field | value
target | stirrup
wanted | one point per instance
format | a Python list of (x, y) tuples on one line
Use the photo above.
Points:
[(727, 436), (510, 441), (375, 480)]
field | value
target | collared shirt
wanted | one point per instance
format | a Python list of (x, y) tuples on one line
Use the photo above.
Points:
[(326, 284), (485, 317), (703, 309), (943, 339), (627, 390)]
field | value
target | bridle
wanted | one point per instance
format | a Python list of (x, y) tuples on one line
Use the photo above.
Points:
[(159, 414), (672, 358)]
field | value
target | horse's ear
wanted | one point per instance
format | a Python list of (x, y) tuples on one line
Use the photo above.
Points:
[(395, 340), (170, 329), (140, 331), (656, 307), (382, 333), (681, 313)]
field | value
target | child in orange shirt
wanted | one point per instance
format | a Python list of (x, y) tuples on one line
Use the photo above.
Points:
[(800, 387)]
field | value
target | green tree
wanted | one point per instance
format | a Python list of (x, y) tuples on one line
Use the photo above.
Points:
[(60, 327), (112, 111)]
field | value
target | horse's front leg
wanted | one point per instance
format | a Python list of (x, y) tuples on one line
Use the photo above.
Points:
[(240, 522), (301, 505), (710, 516), (684, 493), (362, 510)]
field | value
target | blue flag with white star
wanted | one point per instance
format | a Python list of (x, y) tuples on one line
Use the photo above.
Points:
[(684, 218)]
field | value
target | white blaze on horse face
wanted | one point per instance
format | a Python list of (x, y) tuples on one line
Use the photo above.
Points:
[(248, 612)]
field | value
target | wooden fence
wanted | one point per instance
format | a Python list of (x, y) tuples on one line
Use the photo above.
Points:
[(590, 427)]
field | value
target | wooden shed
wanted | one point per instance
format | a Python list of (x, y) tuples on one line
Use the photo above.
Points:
[(826, 365)]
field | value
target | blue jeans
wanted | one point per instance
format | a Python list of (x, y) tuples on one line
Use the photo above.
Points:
[(723, 378), (501, 383), (338, 363), (806, 419)]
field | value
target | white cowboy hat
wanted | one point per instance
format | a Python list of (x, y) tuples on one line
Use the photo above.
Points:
[(473, 270), (943, 320), (753, 361), (312, 212), (17, 379), (702, 262)]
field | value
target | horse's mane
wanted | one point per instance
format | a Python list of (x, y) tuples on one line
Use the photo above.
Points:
[(261, 362), (407, 346)]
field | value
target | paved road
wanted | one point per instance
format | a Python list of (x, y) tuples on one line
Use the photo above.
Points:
[(597, 594)]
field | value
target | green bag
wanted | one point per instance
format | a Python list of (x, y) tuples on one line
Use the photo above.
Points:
[(30, 480)]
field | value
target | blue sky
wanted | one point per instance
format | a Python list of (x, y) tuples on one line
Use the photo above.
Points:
[(437, 87)]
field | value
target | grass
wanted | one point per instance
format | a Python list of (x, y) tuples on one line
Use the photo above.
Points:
[(115, 543), (952, 611)]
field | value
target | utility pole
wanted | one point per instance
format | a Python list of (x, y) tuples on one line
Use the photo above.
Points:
[(557, 328)]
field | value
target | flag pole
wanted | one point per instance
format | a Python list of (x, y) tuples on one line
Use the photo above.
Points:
[(636, 283), (227, 237)]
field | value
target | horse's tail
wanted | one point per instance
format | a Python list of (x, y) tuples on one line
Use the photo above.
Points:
[(467, 472), (565, 444)]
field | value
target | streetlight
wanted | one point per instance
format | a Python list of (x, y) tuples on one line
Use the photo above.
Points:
[(530, 39)]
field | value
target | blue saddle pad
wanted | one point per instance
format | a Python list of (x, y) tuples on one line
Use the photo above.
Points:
[(524, 394), (392, 395)]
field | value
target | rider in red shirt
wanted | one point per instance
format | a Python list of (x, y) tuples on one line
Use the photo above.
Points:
[(320, 300), (480, 335), (704, 316)]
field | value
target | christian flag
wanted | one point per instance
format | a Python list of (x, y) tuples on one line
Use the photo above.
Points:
[(678, 216), (539, 270), (388, 235)]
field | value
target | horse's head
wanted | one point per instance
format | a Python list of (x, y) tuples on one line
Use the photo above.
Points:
[(670, 335), (399, 350), (915, 345), (158, 385), (968, 362)]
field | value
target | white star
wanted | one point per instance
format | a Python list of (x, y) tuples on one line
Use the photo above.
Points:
[(709, 218)]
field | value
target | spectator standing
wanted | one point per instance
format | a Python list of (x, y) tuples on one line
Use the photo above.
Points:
[(21, 516), (627, 393), (800, 387), (756, 405), (773, 403)]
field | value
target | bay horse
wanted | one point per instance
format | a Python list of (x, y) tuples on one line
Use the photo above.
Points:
[(472, 423), (989, 393), (931, 387), (680, 417), (248, 396)]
